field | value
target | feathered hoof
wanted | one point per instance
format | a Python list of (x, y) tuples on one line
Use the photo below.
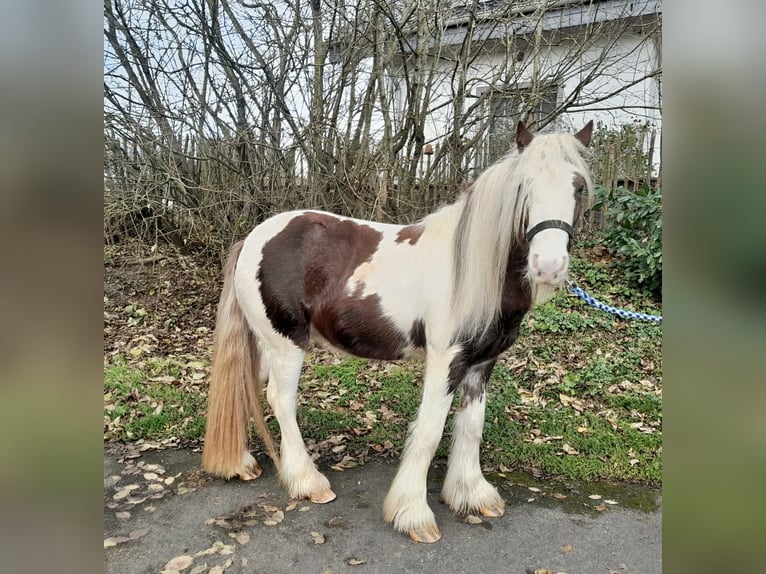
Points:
[(322, 497), (250, 468), (251, 472), (426, 535), (493, 511)]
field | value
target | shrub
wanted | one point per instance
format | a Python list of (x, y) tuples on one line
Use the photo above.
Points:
[(633, 232)]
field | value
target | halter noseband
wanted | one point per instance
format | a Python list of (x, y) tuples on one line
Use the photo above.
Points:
[(550, 224)]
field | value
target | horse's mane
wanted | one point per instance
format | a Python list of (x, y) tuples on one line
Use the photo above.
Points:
[(492, 223)]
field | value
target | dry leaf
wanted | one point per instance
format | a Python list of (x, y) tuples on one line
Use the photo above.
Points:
[(317, 537), (178, 564), (114, 541), (269, 507), (138, 533), (150, 508), (154, 487), (199, 569), (533, 489), (227, 549), (214, 549), (169, 480), (111, 481), (125, 491), (151, 476), (559, 496), (569, 450), (355, 561), (531, 499), (595, 497), (600, 507), (471, 519), (123, 515), (242, 537), (304, 509), (611, 502), (292, 505)]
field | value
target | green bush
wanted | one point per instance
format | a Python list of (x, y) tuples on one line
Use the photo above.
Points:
[(633, 232)]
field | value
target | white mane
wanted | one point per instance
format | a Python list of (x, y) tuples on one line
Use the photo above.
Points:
[(493, 220)]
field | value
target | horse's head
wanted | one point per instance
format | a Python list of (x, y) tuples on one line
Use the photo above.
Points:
[(556, 185)]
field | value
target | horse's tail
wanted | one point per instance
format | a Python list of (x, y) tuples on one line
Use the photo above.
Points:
[(235, 388)]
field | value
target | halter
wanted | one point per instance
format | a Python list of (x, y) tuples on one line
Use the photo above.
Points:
[(550, 224)]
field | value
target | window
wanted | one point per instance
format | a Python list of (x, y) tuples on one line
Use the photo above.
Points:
[(511, 105)]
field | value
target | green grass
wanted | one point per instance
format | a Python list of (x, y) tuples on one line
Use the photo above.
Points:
[(149, 402), (576, 376)]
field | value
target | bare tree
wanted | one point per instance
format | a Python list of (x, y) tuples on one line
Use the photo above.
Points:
[(220, 113)]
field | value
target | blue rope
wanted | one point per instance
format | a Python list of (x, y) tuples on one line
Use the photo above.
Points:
[(622, 313)]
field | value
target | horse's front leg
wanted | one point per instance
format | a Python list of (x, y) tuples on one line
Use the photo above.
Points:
[(406, 503), (465, 488)]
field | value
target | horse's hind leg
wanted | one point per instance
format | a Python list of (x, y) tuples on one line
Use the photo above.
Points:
[(297, 472), (465, 488)]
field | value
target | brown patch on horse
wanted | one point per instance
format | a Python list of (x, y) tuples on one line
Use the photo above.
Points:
[(304, 275), (418, 334), (411, 233), (578, 182)]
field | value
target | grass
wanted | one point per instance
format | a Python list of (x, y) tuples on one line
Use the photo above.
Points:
[(578, 396)]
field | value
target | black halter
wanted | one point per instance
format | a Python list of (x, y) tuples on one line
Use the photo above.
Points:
[(550, 224)]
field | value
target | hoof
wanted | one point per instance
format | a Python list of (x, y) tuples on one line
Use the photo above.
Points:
[(322, 497), (492, 511), (251, 472), (427, 535)]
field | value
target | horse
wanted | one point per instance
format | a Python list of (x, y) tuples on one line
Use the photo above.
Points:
[(455, 284)]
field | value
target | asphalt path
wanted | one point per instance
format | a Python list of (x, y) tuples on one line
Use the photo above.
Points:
[(173, 510)]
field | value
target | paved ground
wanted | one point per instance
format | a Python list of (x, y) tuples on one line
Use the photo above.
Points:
[(177, 510)]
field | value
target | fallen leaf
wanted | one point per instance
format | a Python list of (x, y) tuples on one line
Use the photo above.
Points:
[(317, 537), (269, 507), (275, 518), (111, 481), (595, 497), (355, 561), (611, 502), (123, 515), (569, 450), (531, 499), (242, 537), (227, 549), (156, 487), (114, 541), (178, 564), (169, 480), (567, 548), (600, 507), (559, 496), (199, 569), (214, 549), (150, 508), (304, 509), (533, 489), (292, 505), (125, 491), (151, 476), (471, 519), (138, 533)]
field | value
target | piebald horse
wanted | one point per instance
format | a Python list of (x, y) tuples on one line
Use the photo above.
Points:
[(456, 284)]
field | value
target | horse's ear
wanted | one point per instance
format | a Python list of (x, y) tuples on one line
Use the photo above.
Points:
[(523, 136), (585, 134)]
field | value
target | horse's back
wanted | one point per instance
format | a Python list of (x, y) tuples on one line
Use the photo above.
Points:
[(337, 277)]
